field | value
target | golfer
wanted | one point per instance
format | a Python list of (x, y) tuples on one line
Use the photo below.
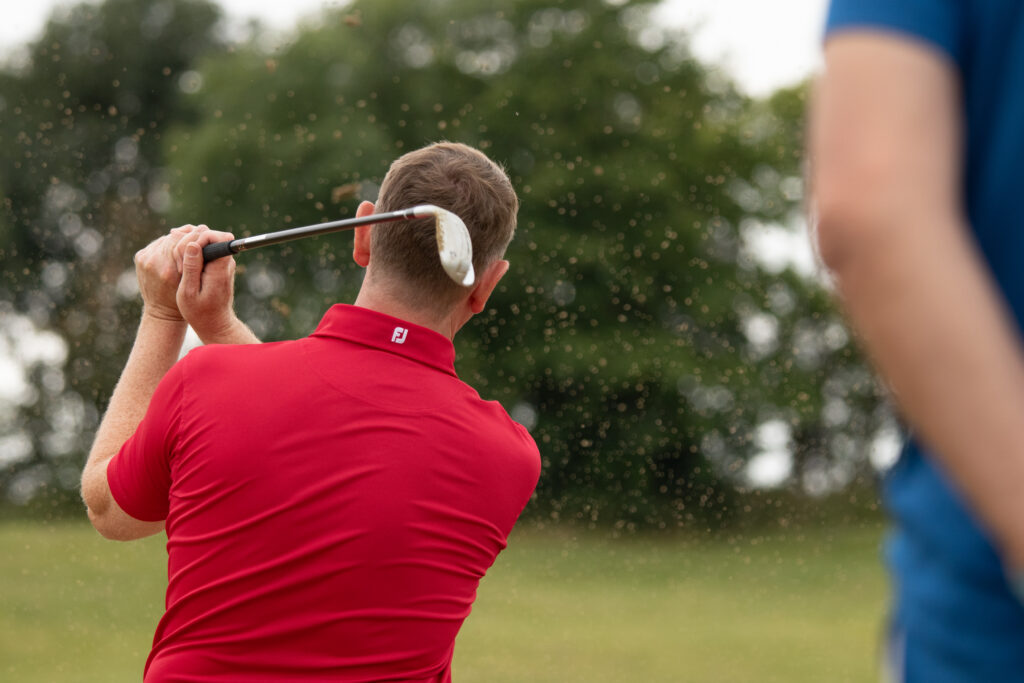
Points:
[(917, 156), (330, 503)]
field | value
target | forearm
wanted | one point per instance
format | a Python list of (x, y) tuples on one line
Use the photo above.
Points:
[(939, 332), (234, 332), (156, 348)]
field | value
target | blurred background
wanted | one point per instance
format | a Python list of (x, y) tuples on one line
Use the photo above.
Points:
[(711, 437)]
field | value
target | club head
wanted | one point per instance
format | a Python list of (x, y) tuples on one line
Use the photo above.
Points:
[(453, 244)]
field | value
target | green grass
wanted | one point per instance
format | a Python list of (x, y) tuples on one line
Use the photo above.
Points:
[(557, 606), (75, 607)]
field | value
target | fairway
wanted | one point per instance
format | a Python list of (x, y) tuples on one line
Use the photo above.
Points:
[(557, 606)]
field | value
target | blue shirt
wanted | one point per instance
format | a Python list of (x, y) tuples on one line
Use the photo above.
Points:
[(952, 602)]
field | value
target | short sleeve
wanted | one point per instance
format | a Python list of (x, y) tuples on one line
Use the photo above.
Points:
[(937, 22), (139, 475)]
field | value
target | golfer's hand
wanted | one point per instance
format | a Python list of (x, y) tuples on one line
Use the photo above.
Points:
[(206, 292), (159, 274)]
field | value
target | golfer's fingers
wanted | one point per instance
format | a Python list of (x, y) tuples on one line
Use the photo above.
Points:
[(222, 270), (219, 275), (177, 235), (154, 259), (189, 234), (206, 290), (193, 266), (182, 229), (192, 270), (210, 236)]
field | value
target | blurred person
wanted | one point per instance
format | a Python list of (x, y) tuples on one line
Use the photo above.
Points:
[(332, 502), (917, 155)]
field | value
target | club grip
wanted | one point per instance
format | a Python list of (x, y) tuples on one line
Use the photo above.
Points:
[(216, 250)]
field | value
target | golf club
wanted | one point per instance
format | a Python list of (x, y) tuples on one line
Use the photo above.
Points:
[(453, 242)]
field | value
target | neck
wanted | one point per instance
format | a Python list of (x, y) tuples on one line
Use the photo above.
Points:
[(377, 299)]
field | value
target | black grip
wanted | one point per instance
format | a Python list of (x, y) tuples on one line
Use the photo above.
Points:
[(216, 250)]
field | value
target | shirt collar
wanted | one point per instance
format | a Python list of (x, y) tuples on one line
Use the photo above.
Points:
[(379, 331)]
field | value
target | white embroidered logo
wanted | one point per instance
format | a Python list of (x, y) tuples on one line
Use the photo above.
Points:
[(399, 335)]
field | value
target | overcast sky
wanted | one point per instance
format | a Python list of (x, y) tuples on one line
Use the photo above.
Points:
[(763, 45)]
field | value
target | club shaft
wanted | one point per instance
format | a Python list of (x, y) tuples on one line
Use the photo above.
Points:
[(218, 250)]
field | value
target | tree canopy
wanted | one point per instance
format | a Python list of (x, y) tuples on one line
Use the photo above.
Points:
[(639, 335)]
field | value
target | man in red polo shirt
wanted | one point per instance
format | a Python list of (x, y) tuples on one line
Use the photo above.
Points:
[(330, 503)]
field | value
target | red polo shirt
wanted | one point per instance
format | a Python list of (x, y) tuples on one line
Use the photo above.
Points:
[(331, 504)]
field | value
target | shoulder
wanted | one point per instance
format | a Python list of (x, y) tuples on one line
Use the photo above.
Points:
[(211, 363), (214, 354), (499, 427)]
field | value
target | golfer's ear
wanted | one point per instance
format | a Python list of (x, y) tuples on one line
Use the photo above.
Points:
[(361, 243), (485, 284)]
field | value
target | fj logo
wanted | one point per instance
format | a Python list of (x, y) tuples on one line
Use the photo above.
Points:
[(399, 335)]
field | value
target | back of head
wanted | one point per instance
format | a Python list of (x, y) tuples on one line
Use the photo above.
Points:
[(455, 177)]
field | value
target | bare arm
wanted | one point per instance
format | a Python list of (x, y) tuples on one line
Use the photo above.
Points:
[(156, 348), (886, 153)]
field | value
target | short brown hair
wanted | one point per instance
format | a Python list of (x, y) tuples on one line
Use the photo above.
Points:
[(455, 177)]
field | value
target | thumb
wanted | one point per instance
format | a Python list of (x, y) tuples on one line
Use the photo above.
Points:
[(192, 269)]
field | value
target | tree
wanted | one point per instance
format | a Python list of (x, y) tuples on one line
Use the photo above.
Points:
[(622, 334), (638, 335), (83, 186)]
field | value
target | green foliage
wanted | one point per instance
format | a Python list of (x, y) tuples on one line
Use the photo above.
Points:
[(625, 335), (619, 330), (81, 118)]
